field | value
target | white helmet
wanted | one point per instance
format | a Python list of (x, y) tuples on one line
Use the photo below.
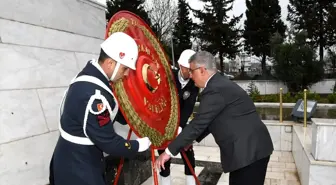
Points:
[(184, 58), (123, 49)]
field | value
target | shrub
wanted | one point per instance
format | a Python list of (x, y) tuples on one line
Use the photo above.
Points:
[(291, 98), (288, 98), (253, 91), (332, 98)]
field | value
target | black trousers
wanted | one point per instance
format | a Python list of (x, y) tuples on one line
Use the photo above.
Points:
[(254, 173), (191, 157)]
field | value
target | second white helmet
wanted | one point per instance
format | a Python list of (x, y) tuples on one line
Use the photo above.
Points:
[(184, 58)]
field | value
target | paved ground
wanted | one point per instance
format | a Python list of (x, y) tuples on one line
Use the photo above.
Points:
[(281, 169)]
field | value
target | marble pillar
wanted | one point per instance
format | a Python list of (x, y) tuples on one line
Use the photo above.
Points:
[(324, 139)]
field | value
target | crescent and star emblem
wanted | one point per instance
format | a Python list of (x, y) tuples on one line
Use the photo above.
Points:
[(151, 78)]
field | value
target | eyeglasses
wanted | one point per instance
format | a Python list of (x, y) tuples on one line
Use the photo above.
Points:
[(192, 70)]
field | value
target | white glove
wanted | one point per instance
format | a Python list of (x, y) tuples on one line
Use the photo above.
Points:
[(144, 144), (179, 130)]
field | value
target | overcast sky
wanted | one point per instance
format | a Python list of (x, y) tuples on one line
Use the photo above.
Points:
[(240, 8)]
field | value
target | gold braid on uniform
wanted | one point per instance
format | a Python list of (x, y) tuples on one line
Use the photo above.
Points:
[(144, 130)]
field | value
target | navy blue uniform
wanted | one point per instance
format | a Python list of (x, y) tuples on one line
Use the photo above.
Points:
[(187, 100), (86, 127)]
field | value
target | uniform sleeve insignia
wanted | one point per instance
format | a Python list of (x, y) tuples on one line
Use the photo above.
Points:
[(100, 106), (103, 118), (127, 145)]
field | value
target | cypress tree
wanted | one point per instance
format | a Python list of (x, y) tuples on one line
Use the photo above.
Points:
[(263, 19)]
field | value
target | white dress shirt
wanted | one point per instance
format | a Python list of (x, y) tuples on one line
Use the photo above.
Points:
[(206, 83), (182, 81)]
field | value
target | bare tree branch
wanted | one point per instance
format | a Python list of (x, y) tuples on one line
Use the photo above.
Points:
[(163, 14)]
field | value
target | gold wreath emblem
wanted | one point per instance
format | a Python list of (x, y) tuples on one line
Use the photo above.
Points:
[(145, 69), (144, 130)]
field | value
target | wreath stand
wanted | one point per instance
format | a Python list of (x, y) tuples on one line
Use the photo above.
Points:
[(155, 177)]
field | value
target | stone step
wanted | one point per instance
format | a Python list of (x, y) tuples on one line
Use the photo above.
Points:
[(281, 169), (177, 175)]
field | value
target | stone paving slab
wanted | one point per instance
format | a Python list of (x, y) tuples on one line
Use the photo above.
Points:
[(281, 169)]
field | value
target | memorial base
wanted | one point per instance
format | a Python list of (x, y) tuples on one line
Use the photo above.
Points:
[(310, 171), (134, 171)]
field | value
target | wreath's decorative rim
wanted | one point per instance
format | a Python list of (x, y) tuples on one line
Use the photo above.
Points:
[(134, 120)]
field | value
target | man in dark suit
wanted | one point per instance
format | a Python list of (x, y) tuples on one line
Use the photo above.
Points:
[(229, 114), (188, 93)]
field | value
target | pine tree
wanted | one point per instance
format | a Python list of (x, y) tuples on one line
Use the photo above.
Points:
[(317, 18), (252, 89), (183, 30), (134, 6), (295, 63), (263, 19), (219, 35)]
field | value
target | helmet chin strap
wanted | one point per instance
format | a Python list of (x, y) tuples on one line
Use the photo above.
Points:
[(115, 71)]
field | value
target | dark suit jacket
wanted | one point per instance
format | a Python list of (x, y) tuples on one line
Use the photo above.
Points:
[(228, 113)]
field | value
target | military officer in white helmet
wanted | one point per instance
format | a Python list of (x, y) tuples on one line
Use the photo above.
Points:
[(188, 93), (87, 114)]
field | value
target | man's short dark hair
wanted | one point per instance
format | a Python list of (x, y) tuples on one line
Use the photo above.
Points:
[(102, 56)]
